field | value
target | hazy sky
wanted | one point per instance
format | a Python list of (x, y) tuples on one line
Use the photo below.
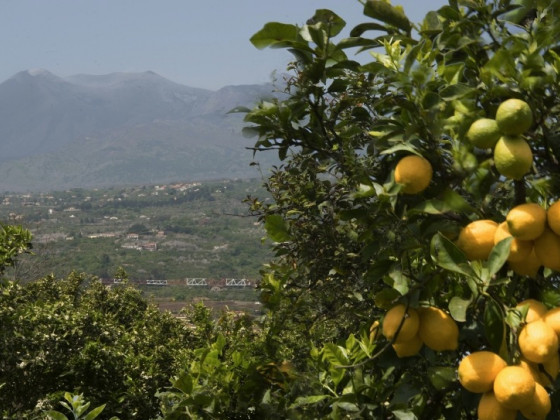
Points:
[(203, 43)]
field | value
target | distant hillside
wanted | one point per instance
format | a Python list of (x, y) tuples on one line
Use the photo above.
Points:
[(120, 128)]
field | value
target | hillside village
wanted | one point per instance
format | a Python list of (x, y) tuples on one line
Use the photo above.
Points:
[(165, 231)]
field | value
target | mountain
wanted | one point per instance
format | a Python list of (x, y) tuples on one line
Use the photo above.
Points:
[(119, 128)]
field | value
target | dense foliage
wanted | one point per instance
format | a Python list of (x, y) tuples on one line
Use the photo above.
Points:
[(77, 335)]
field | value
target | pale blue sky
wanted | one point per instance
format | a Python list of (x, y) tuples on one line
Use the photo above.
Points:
[(203, 43)]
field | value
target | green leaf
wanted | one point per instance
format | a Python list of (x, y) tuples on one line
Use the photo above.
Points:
[(275, 34), (364, 191), (446, 255), (184, 383), (498, 256), (369, 26), (494, 325), (276, 228), (456, 91), (431, 23), (442, 377), (347, 406), (386, 298), (404, 415), (240, 109), (516, 316), (55, 415), (449, 201), (398, 281), (309, 400), (94, 413), (336, 355), (330, 19), (385, 12), (458, 308), (401, 147)]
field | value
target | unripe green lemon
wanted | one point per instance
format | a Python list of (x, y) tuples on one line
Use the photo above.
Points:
[(513, 157), (484, 133), (514, 117)]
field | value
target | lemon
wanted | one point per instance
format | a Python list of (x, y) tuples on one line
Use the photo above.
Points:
[(538, 341), (536, 310), (530, 367), (553, 217), (483, 133), (478, 370), (408, 348), (414, 173), (490, 409), (393, 319), (547, 248), (514, 387), (514, 116), (540, 405), (529, 266), (513, 157), (552, 318), (526, 221), (438, 330), (551, 369), (518, 250), (476, 239)]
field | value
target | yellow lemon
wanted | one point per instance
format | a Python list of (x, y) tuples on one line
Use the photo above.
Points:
[(547, 248), (408, 348), (538, 341), (553, 217), (552, 318), (526, 221), (476, 239), (483, 133), (518, 250), (414, 173), (513, 157), (490, 409), (551, 369), (540, 405), (514, 387), (514, 116), (536, 309), (530, 367), (527, 267), (396, 316), (438, 330), (478, 370)]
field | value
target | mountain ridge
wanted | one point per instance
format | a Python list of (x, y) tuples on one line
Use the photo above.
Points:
[(62, 132)]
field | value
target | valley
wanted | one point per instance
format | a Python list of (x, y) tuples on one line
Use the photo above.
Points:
[(165, 232)]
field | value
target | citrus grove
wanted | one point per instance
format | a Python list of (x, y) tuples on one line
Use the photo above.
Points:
[(414, 215)]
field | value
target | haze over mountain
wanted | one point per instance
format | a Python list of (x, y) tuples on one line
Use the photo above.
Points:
[(119, 128)]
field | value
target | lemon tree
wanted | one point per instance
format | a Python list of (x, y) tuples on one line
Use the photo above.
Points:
[(415, 177)]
